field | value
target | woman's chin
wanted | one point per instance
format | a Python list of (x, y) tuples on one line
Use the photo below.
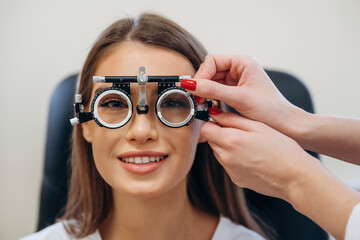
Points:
[(141, 191)]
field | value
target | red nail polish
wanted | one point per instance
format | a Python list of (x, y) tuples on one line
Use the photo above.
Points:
[(198, 100), (214, 111), (188, 84)]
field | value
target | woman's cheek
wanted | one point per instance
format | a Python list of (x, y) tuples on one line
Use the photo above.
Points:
[(104, 143)]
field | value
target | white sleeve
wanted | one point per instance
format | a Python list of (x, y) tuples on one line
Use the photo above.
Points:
[(227, 229), (57, 232), (353, 226), (52, 232)]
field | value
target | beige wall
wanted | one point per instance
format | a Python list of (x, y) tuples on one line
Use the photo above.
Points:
[(43, 41)]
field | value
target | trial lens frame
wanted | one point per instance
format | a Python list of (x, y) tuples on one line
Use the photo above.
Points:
[(122, 85)]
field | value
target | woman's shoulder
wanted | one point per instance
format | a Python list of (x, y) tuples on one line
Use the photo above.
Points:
[(57, 231), (227, 229)]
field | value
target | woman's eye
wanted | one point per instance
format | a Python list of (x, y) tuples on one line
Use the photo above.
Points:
[(113, 104), (173, 103)]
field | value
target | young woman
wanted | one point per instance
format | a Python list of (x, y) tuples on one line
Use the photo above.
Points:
[(146, 180)]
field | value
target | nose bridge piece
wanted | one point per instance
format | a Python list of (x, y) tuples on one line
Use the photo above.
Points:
[(142, 79)]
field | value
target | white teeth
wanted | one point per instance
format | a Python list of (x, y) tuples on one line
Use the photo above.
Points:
[(138, 160), (142, 160), (145, 159)]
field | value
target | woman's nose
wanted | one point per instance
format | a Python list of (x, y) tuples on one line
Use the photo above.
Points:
[(142, 128)]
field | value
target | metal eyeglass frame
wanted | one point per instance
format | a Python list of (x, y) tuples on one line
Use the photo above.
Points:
[(121, 86)]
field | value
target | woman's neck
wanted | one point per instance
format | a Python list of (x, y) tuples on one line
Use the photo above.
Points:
[(169, 216)]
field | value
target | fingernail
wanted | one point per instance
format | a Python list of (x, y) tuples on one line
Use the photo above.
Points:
[(214, 111), (198, 100), (188, 84)]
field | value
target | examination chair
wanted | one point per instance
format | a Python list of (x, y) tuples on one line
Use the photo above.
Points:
[(276, 213)]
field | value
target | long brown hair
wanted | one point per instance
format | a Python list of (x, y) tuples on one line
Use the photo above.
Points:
[(209, 186)]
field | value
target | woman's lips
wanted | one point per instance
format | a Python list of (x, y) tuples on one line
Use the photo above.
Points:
[(142, 162)]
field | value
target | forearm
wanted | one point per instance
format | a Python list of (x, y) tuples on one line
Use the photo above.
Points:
[(333, 136), (323, 198)]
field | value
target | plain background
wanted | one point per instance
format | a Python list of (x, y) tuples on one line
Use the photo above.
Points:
[(41, 42)]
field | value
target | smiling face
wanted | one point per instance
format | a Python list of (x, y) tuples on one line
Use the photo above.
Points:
[(166, 154)]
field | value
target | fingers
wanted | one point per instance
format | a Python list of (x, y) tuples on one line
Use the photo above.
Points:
[(219, 76), (225, 70), (210, 89), (207, 69), (233, 120), (214, 64), (229, 123), (210, 132), (217, 150), (225, 78)]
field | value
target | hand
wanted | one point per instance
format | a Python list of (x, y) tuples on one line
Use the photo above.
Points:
[(241, 83), (260, 158), (256, 156)]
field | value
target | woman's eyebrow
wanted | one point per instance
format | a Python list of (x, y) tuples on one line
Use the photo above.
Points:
[(99, 89)]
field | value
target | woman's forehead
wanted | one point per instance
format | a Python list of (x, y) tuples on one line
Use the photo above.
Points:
[(126, 58)]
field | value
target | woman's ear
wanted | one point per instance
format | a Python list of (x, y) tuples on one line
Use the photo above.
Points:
[(86, 131)]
